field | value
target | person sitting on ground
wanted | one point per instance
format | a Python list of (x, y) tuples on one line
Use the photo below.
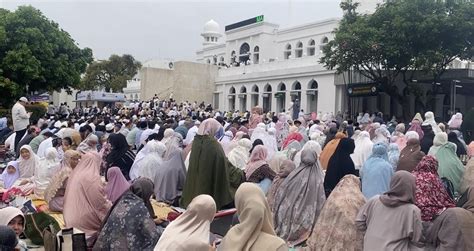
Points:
[(391, 221), (191, 230), (129, 224)]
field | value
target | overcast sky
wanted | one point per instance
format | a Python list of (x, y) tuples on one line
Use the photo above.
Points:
[(157, 29)]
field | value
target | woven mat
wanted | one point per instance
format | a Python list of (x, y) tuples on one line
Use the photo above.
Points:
[(161, 209)]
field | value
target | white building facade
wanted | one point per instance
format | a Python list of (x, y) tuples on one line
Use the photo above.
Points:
[(261, 64)]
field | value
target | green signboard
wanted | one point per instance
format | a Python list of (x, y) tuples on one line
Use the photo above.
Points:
[(250, 21)]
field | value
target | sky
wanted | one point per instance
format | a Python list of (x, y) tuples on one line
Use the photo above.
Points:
[(165, 29)]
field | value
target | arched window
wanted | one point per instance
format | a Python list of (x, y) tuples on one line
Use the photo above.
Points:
[(244, 52), (232, 90), (311, 47), (324, 41), (268, 88), (287, 52), (282, 87), (256, 56), (312, 85), (296, 86), (232, 57), (299, 50), (243, 89), (255, 89)]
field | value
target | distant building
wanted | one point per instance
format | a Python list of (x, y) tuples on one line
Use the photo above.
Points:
[(133, 89)]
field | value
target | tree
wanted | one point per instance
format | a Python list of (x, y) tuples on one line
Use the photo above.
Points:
[(399, 39), (37, 55), (111, 74)]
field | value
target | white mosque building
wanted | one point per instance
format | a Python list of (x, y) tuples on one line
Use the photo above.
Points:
[(261, 64)]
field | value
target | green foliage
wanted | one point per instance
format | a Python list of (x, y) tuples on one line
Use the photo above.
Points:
[(111, 74), (400, 38), (38, 110), (37, 55)]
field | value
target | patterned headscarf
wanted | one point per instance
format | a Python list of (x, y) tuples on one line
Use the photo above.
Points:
[(431, 196)]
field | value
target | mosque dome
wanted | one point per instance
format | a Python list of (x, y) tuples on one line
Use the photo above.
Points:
[(211, 27)]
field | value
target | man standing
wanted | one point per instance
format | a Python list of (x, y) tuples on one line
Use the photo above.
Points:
[(21, 119)]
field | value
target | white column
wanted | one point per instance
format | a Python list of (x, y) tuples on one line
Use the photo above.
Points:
[(304, 101)]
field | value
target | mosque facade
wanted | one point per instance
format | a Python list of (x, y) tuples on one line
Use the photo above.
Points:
[(261, 64)]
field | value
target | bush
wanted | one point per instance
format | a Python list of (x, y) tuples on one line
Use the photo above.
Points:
[(38, 110)]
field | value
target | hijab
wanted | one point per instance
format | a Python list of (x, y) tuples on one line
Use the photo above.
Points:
[(335, 228), (460, 149), (154, 158), (468, 177), (209, 127), (7, 214), (339, 165), (190, 231), (329, 150), (116, 185), (255, 230), (393, 155), (450, 166), (402, 190), (143, 188), (313, 146), (9, 179), (120, 155), (169, 178), (439, 140), (294, 136), (65, 170), (239, 156), (28, 166), (302, 190), (46, 169), (431, 195), (427, 141), (430, 120), (410, 156), (376, 172), (456, 121), (257, 159), (85, 203), (285, 168), (151, 146), (362, 150), (257, 142), (416, 127)]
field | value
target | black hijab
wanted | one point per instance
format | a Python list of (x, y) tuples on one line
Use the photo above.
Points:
[(427, 140), (460, 150), (331, 135), (340, 164), (120, 155), (256, 143)]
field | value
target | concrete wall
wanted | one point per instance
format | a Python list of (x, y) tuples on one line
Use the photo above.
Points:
[(61, 97), (186, 81)]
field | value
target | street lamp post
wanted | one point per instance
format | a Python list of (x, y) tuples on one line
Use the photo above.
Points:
[(454, 86)]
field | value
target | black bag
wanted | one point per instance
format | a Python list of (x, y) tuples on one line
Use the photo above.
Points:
[(71, 239), (449, 187)]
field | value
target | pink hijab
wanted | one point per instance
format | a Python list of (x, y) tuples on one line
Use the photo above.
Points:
[(209, 127), (85, 204), (257, 159), (416, 126), (117, 184)]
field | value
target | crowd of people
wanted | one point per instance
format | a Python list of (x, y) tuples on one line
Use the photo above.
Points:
[(309, 182)]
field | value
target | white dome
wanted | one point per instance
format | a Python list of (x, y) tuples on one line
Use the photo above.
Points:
[(211, 27)]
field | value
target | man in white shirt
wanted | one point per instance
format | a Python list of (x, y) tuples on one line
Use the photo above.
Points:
[(21, 119), (191, 133)]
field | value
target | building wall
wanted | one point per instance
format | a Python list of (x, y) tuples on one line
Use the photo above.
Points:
[(186, 81), (62, 96)]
